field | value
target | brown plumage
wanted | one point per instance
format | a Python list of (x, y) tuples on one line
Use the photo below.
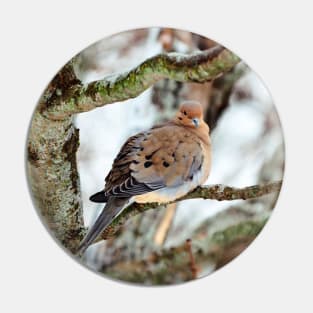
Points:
[(158, 165)]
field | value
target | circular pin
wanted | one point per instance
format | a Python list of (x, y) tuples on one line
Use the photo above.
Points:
[(155, 156)]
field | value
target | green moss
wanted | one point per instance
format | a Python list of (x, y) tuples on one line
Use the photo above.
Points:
[(244, 229)]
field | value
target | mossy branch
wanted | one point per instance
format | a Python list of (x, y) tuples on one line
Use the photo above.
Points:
[(75, 97), (188, 260), (213, 192)]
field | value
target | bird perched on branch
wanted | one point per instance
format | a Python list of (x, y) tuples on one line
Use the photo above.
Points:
[(158, 165)]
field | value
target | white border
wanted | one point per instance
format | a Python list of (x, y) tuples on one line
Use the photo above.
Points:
[(274, 38)]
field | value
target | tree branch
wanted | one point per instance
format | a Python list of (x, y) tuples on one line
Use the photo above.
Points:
[(213, 192), (197, 67), (174, 264)]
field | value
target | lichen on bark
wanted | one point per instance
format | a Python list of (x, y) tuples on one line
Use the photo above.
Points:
[(197, 67), (53, 177)]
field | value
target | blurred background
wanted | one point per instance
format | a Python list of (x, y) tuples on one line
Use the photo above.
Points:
[(247, 148)]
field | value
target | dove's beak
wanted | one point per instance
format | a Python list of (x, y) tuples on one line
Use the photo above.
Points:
[(195, 121)]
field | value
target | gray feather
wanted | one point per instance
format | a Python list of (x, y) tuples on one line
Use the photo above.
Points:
[(113, 207)]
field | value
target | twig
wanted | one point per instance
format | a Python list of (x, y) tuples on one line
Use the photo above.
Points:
[(213, 192), (192, 263)]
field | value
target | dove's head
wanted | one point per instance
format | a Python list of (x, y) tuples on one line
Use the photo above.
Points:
[(190, 114)]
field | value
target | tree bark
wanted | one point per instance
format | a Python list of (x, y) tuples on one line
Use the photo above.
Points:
[(197, 67)]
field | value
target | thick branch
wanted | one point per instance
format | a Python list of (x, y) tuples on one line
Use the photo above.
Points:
[(197, 67), (213, 192), (53, 177), (178, 264)]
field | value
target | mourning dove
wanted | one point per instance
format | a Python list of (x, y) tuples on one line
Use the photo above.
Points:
[(158, 165)]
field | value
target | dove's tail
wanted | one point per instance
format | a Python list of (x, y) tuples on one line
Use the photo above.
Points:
[(113, 207)]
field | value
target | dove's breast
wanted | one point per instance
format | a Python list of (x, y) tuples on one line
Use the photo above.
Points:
[(168, 194)]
